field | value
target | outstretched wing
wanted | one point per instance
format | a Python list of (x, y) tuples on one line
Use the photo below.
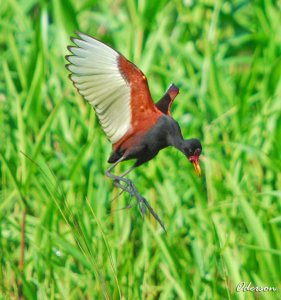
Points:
[(164, 104), (108, 81)]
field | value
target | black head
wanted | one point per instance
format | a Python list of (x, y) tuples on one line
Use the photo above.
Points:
[(192, 149)]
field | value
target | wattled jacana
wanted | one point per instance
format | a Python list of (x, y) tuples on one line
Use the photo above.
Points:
[(136, 127)]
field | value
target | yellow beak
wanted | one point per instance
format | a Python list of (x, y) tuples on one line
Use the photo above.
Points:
[(197, 167)]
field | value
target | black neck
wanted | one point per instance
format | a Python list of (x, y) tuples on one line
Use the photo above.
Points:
[(176, 140)]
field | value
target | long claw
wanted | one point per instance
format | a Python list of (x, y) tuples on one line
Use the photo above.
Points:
[(143, 202), (122, 208), (118, 195), (131, 189), (143, 209), (154, 214)]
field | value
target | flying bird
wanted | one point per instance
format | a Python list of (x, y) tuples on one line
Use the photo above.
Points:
[(136, 127)]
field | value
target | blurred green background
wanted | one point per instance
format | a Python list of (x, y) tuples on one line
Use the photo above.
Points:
[(61, 235)]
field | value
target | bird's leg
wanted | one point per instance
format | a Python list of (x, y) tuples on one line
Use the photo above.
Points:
[(118, 179), (118, 184), (128, 171), (124, 188), (131, 189), (128, 187)]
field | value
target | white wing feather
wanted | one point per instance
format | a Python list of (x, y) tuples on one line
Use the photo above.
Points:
[(96, 75)]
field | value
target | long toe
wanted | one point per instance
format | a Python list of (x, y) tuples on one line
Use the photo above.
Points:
[(154, 214), (143, 208), (124, 187), (129, 187)]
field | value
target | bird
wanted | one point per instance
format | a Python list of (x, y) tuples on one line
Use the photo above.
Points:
[(137, 127)]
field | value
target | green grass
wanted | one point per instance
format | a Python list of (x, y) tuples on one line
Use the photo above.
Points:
[(222, 229)]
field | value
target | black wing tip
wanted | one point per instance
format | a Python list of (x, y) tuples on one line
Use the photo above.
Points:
[(173, 86), (69, 76), (69, 48), (173, 89), (67, 67), (73, 82), (67, 57), (79, 33), (74, 39), (79, 36), (82, 35)]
